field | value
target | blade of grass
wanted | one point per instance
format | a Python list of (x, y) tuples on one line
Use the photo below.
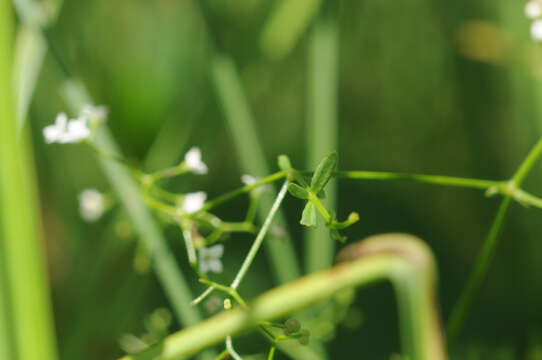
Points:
[(128, 191), (239, 118), (28, 292), (286, 24), (322, 131)]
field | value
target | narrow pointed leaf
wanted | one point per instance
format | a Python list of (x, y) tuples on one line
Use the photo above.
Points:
[(309, 215), (297, 191), (324, 171)]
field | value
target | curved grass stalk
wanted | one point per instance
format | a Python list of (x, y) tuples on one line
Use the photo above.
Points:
[(400, 258)]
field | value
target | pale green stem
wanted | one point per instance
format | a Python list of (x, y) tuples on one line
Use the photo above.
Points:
[(239, 118), (30, 334), (468, 294), (231, 350), (400, 258), (427, 179), (286, 24), (259, 238), (322, 131)]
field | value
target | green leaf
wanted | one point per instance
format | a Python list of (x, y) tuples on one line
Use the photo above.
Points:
[(324, 171), (297, 191), (322, 194), (309, 215)]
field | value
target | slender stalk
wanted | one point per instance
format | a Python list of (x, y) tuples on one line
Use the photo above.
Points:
[(259, 238), (427, 179), (468, 294), (231, 95), (30, 334), (322, 131), (285, 26), (400, 258)]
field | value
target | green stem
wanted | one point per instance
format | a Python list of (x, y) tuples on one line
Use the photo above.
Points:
[(427, 179), (23, 280), (320, 207), (322, 131), (259, 238), (464, 304), (271, 355), (400, 258), (243, 190)]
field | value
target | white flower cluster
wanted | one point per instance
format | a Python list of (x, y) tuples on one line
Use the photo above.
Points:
[(209, 258), (70, 131), (533, 10)]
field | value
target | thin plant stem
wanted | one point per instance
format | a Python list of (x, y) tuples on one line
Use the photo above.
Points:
[(30, 333), (259, 238), (271, 355), (427, 179), (322, 131), (399, 258), (471, 289), (239, 118), (469, 292), (231, 350)]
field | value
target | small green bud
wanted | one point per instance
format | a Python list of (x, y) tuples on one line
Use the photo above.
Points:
[(297, 191), (304, 337), (227, 304), (292, 326)]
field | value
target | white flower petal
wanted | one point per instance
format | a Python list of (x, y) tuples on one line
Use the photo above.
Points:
[(194, 201), (204, 267), (536, 30), (215, 251), (91, 204), (193, 161), (215, 265), (54, 133), (533, 9)]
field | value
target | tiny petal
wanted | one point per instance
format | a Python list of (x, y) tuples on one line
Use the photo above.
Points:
[(53, 133), (194, 201), (536, 30), (91, 204), (77, 131), (209, 258), (193, 161), (533, 9)]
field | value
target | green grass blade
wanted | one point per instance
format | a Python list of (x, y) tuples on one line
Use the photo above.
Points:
[(30, 51), (322, 132), (285, 26), (27, 290), (129, 193), (239, 118)]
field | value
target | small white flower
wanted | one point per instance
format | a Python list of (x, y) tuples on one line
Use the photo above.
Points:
[(66, 131), (53, 133), (209, 259), (533, 9), (94, 112), (194, 201), (192, 159), (77, 131), (91, 204), (536, 30)]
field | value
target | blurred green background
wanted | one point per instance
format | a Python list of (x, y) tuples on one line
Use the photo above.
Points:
[(427, 86)]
